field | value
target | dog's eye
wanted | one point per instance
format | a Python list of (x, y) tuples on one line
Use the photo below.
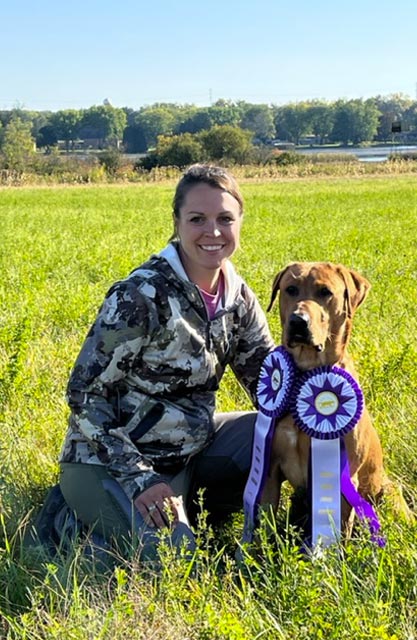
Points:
[(324, 292), (292, 290)]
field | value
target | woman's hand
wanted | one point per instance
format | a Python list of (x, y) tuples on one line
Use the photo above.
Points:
[(159, 506)]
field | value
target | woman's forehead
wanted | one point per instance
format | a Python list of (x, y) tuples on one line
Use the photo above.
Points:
[(204, 198)]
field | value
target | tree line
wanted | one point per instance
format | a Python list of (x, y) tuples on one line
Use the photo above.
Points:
[(224, 129)]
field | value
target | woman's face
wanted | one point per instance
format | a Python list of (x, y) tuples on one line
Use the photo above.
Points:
[(208, 229)]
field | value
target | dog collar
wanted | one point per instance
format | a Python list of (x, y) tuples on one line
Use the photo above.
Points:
[(326, 403)]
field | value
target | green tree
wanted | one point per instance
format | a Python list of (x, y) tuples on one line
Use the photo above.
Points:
[(154, 122), (47, 137), (200, 120), (292, 121), (321, 116), (39, 119), (67, 125), (410, 117), (18, 146), (134, 139), (356, 121), (227, 143), (259, 119), (225, 112), (104, 122), (391, 109)]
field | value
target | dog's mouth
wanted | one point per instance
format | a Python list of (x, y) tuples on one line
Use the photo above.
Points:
[(299, 334), (297, 340)]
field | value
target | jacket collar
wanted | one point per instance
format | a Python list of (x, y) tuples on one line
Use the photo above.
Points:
[(233, 281)]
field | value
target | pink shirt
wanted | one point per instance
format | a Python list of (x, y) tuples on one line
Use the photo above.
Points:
[(212, 299)]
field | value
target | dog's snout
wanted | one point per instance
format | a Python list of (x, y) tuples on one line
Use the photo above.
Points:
[(299, 321)]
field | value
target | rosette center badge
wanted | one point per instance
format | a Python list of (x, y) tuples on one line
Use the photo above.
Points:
[(328, 403), (276, 378)]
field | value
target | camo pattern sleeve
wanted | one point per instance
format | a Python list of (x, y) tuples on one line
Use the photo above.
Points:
[(254, 342), (122, 329)]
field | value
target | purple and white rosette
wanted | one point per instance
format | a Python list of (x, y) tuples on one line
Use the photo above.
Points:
[(275, 384), (327, 403)]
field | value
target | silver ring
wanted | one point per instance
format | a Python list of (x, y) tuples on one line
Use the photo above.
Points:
[(152, 508)]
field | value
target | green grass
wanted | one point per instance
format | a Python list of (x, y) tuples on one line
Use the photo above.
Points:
[(61, 248)]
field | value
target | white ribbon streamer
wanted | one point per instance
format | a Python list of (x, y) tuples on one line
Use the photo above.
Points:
[(326, 507)]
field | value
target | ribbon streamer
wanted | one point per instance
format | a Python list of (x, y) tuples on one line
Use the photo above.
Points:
[(364, 510), (325, 491), (276, 380)]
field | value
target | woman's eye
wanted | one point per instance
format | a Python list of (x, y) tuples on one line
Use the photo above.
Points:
[(324, 292), (226, 220), (292, 290), (197, 220)]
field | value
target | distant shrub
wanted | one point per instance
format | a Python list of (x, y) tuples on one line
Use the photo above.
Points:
[(398, 157), (224, 143), (111, 160), (285, 158), (329, 158), (58, 165), (179, 151), (148, 162)]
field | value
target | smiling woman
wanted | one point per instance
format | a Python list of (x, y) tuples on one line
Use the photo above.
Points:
[(208, 209), (143, 435), (208, 229)]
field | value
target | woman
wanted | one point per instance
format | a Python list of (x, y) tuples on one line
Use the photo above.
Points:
[(143, 431)]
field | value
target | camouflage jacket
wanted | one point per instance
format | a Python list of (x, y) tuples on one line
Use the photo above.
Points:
[(142, 391)]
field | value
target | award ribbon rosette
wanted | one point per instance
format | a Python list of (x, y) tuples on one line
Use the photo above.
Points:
[(276, 380), (326, 403)]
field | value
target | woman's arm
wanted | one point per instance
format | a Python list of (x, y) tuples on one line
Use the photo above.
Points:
[(254, 342), (122, 329)]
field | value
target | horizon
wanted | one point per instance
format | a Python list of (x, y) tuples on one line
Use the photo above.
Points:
[(19, 107)]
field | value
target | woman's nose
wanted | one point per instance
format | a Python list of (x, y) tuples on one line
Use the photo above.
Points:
[(213, 230)]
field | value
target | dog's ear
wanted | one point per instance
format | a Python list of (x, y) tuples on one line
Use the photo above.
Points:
[(275, 288), (357, 288)]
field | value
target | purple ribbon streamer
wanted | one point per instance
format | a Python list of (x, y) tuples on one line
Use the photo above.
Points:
[(364, 510)]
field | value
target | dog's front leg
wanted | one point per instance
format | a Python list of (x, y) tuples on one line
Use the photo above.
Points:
[(347, 518), (271, 493)]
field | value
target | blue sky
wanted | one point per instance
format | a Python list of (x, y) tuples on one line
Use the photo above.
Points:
[(73, 54)]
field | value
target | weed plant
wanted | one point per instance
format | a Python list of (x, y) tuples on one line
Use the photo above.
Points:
[(111, 168), (61, 248)]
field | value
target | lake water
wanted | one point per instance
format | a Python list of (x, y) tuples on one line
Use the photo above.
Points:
[(365, 154)]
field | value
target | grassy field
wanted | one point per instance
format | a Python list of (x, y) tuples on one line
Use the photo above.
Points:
[(61, 248)]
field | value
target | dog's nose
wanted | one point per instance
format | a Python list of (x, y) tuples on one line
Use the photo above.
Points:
[(299, 321)]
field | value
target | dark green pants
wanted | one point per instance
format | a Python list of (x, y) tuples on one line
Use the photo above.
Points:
[(220, 470)]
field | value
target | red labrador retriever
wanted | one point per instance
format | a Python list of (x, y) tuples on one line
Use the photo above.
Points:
[(317, 304)]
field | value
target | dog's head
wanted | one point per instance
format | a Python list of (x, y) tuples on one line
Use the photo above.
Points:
[(317, 302)]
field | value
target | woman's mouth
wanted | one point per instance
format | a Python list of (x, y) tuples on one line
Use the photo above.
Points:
[(211, 247)]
